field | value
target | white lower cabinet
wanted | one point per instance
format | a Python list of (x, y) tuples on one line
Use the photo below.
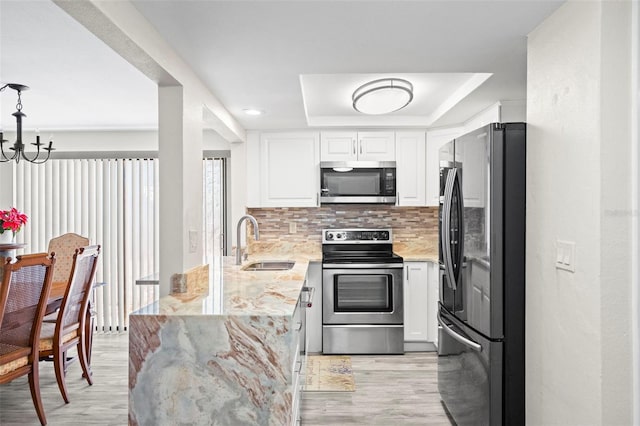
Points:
[(420, 305), (415, 301)]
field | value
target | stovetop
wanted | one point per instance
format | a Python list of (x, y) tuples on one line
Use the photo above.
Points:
[(365, 246), (361, 257)]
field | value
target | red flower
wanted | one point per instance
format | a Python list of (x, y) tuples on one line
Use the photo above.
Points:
[(12, 220)]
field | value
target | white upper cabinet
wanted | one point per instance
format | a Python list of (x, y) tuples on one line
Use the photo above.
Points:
[(411, 168), (376, 146), (289, 169), (361, 146), (435, 140), (339, 146)]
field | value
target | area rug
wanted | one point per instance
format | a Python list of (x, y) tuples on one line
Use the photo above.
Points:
[(329, 373)]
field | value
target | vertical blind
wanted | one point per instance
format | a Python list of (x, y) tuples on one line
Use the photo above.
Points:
[(113, 202)]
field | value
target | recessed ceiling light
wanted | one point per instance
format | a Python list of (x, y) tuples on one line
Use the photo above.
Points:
[(382, 96), (251, 111)]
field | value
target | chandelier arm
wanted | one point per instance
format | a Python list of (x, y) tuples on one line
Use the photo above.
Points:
[(42, 161), (4, 158)]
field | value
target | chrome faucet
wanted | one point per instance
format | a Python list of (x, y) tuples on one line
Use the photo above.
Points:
[(256, 235)]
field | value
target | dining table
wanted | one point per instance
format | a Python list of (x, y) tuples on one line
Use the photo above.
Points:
[(9, 249)]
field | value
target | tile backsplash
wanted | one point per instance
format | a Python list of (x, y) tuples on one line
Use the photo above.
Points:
[(414, 228)]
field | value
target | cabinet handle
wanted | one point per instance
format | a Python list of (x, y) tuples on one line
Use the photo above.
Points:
[(299, 327), (407, 273), (354, 146), (317, 199), (360, 146)]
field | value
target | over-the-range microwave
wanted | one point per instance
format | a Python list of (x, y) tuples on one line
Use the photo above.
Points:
[(358, 182)]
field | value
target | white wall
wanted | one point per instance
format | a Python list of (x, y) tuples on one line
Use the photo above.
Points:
[(578, 366)]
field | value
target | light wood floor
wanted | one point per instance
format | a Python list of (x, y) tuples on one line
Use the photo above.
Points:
[(390, 390), (104, 403)]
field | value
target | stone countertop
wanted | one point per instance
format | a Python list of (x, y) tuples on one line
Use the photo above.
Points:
[(417, 256), (234, 292), (224, 349)]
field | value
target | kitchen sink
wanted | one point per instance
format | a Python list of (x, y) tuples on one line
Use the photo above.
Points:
[(269, 265)]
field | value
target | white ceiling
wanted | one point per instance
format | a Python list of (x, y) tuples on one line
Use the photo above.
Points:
[(254, 54)]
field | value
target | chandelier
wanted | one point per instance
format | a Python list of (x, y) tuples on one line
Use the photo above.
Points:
[(18, 146)]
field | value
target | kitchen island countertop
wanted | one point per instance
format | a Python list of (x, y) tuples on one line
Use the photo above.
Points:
[(223, 350), (232, 291)]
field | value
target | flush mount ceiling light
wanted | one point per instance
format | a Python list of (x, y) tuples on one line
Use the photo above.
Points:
[(251, 111), (382, 96)]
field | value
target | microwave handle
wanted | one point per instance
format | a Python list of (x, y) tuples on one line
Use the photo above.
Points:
[(353, 142)]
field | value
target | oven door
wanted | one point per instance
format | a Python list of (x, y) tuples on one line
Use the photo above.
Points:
[(362, 296)]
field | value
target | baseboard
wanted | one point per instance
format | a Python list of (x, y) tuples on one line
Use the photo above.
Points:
[(419, 347)]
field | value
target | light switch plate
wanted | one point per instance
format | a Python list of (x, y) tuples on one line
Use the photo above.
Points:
[(292, 228), (566, 255)]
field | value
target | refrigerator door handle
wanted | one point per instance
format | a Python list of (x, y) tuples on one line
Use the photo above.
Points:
[(467, 342), (460, 239), (446, 229)]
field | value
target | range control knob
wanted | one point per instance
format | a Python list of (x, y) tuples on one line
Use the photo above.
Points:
[(329, 235), (384, 235), (375, 236)]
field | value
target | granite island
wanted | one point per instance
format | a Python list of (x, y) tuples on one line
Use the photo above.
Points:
[(225, 350)]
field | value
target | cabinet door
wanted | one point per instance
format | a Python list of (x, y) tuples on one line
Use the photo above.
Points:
[(376, 146), (411, 168), (435, 140), (433, 283), (415, 302), (289, 169), (314, 313), (338, 146)]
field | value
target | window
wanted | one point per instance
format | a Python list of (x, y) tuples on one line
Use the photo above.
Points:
[(113, 202)]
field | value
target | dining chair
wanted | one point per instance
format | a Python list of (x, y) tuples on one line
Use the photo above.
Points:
[(64, 246), (68, 329), (24, 290)]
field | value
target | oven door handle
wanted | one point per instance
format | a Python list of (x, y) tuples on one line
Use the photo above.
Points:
[(467, 342), (362, 265)]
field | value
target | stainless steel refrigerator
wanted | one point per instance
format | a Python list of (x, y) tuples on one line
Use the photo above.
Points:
[(482, 276)]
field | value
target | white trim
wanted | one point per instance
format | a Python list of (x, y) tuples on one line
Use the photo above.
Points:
[(635, 198)]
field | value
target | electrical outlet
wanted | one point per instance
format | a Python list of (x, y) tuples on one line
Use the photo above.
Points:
[(566, 255), (292, 228)]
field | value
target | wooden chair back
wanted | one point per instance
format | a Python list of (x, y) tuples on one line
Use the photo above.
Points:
[(23, 298), (65, 246), (76, 299)]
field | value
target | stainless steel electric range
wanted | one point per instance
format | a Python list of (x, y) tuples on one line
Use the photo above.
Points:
[(362, 309)]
